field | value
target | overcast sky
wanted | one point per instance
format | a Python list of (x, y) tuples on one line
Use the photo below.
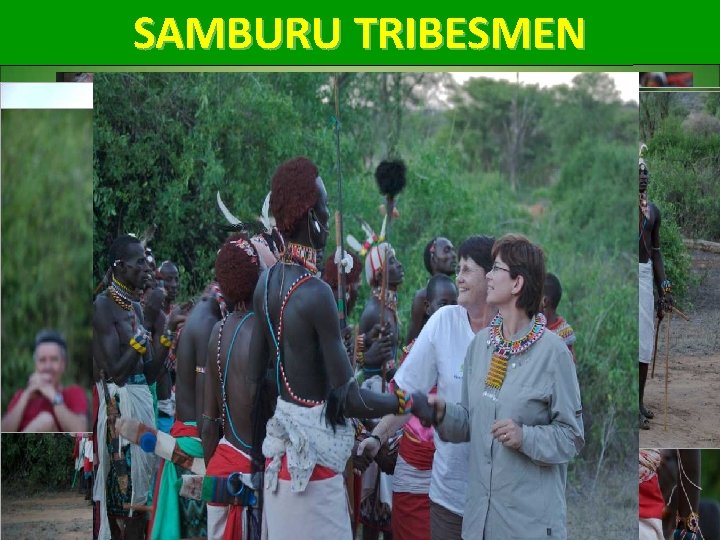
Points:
[(626, 83)]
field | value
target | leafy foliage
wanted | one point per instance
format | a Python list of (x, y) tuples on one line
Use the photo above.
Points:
[(47, 239), (34, 462)]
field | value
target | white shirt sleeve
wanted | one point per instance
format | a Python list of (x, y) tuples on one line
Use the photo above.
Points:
[(419, 373)]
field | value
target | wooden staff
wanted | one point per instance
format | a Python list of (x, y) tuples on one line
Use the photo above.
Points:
[(676, 310), (667, 364), (390, 177), (342, 307), (654, 354)]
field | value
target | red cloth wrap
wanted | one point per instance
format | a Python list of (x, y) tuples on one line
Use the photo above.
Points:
[(411, 516), (651, 502), (179, 429), (225, 461)]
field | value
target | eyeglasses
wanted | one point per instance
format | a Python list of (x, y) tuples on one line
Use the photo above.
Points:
[(496, 268)]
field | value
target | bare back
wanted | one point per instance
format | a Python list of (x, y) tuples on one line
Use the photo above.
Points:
[(191, 357)]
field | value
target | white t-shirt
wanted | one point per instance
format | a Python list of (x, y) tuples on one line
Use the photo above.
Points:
[(437, 357)]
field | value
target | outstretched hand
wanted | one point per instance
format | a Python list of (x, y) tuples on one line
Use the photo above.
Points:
[(430, 409)]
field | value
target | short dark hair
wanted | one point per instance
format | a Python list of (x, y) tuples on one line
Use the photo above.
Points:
[(552, 289), (427, 254), (48, 335), (478, 248), (119, 248), (527, 260), (435, 282)]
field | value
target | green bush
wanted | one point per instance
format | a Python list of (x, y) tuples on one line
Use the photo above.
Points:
[(37, 462)]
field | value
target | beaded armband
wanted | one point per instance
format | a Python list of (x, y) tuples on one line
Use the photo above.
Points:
[(404, 401), (690, 523), (166, 340), (666, 286), (138, 342)]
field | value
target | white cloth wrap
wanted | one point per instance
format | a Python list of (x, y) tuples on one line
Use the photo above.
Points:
[(304, 435), (651, 529), (646, 311), (135, 402)]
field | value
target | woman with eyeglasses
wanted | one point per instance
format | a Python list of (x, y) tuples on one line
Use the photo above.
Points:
[(520, 408)]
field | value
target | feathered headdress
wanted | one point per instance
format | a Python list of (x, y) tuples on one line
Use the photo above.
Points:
[(371, 239)]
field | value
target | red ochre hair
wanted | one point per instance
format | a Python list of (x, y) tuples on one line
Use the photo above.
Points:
[(330, 273), (237, 269), (294, 192)]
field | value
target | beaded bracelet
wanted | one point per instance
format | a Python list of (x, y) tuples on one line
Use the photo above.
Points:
[(666, 286), (404, 401), (360, 343)]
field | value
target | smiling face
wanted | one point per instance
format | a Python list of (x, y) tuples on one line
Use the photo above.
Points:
[(471, 283), (501, 286), (50, 361)]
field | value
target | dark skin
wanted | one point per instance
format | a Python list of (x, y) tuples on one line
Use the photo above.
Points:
[(674, 486), (371, 314), (442, 261), (240, 385), (191, 352), (649, 237), (313, 353), (113, 326), (112, 331), (171, 281)]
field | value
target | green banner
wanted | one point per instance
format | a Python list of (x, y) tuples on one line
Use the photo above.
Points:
[(529, 34)]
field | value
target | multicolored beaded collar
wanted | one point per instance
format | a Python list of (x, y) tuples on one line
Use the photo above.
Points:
[(504, 349), (305, 256), (121, 294)]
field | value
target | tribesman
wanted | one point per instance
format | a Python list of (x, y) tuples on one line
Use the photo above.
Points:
[(439, 257), (651, 269), (229, 395), (123, 365), (309, 438)]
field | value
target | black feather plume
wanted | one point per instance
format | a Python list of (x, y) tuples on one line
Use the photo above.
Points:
[(390, 176)]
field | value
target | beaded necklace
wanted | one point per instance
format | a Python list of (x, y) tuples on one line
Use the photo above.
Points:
[(305, 256), (277, 338), (504, 349), (121, 294), (223, 375), (391, 299)]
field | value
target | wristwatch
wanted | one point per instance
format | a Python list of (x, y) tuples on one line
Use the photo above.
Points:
[(58, 399)]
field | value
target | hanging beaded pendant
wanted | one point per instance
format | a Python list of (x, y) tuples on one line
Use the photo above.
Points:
[(505, 348)]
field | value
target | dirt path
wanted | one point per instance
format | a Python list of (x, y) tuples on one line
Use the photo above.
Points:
[(61, 516), (694, 369)]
